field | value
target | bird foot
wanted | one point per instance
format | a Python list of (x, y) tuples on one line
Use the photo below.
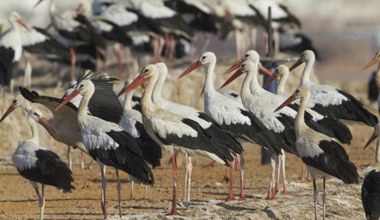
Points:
[(241, 198), (173, 212)]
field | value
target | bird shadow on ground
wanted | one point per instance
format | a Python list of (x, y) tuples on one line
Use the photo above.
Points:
[(235, 208), (109, 180)]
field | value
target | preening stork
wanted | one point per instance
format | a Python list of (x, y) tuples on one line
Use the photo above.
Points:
[(40, 165), (331, 101), (233, 115), (320, 153), (176, 133), (371, 195)]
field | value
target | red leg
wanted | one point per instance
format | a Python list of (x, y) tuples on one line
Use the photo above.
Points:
[(231, 193), (175, 176), (73, 63)]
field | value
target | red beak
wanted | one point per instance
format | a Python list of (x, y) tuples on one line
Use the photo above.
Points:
[(232, 78), (194, 66), (370, 63), (235, 66), (44, 122), (265, 71), (372, 138), (136, 83), (68, 98), (22, 23), (286, 102), (7, 112), (270, 80), (297, 63)]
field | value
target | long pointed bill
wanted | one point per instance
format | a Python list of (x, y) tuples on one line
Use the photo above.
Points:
[(372, 138), (232, 78), (370, 63), (235, 66), (286, 102), (139, 80), (194, 66), (22, 23), (68, 98), (7, 112), (297, 63), (44, 122), (265, 71), (269, 81)]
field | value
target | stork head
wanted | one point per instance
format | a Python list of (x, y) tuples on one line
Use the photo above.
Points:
[(15, 19), (18, 101), (37, 116), (84, 87), (249, 55), (305, 56), (301, 92), (144, 75), (374, 60), (206, 58), (280, 71)]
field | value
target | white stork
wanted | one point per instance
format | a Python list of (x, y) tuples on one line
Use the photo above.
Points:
[(10, 50), (132, 123), (324, 124), (329, 100), (233, 115), (108, 144), (176, 133), (322, 155), (260, 102), (65, 129), (40, 165), (185, 111), (371, 195)]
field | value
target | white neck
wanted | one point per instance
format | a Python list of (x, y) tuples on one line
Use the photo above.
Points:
[(157, 91), (82, 109), (128, 101), (209, 82), (281, 84), (305, 78), (148, 107), (300, 121), (33, 126)]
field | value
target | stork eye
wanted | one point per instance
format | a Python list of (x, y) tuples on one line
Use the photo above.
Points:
[(146, 70), (203, 57), (36, 114), (14, 101)]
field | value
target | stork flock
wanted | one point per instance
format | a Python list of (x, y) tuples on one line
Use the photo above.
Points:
[(90, 34), (130, 135)]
